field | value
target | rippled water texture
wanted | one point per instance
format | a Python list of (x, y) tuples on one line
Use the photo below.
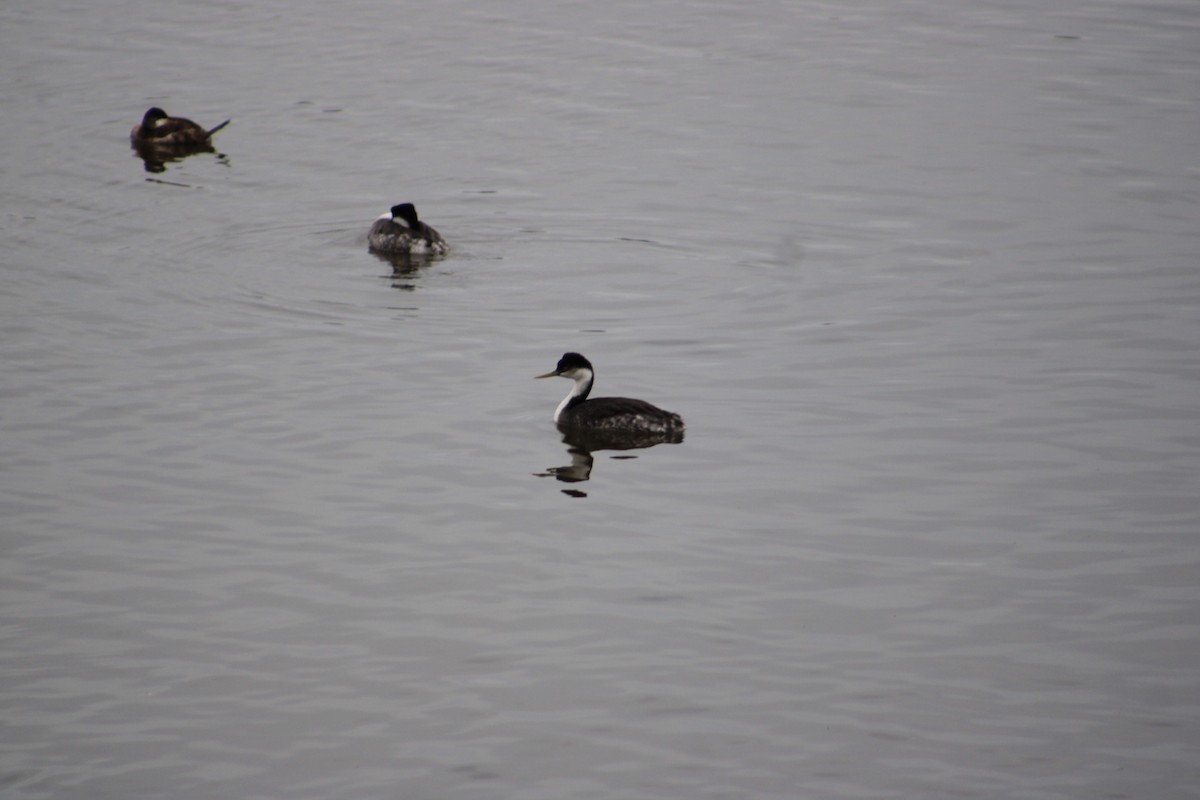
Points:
[(281, 522)]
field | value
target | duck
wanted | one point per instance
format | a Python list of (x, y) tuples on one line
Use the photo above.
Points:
[(158, 130), (400, 232), (607, 415)]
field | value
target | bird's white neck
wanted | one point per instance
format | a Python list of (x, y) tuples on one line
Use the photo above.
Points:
[(388, 216), (579, 392)]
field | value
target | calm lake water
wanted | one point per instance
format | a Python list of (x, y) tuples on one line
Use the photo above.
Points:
[(923, 278)]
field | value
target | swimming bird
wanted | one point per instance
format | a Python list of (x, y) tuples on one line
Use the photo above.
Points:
[(607, 414), (159, 130), (400, 232)]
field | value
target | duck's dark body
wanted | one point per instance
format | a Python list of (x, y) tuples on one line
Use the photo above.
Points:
[(618, 413), (159, 130)]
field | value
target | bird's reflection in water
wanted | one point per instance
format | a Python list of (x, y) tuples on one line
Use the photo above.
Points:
[(156, 157), (582, 444), (406, 267)]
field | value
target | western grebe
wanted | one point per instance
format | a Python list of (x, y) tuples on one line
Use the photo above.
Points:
[(604, 414), (399, 231), (159, 130)]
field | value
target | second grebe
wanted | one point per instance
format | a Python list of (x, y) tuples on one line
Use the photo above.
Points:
[(622, 414), (399, 231)]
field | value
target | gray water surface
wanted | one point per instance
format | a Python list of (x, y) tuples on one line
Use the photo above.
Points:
[(923, 278)]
